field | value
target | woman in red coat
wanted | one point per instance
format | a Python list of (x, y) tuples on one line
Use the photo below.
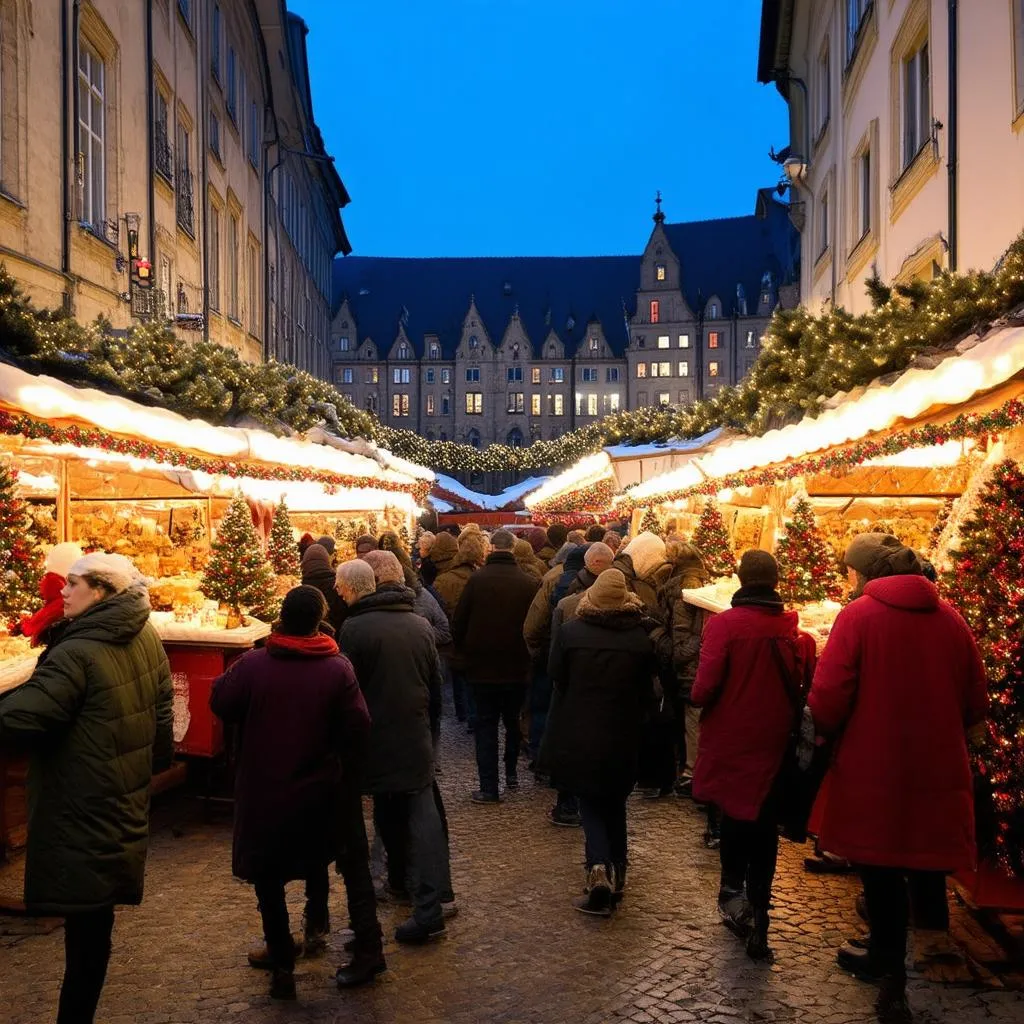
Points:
[(902, 682), (754, 668)]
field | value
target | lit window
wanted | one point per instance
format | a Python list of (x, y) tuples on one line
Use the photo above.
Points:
[(684, 369), (343, 344), (559, 405), (591, 405), (750, 339), (474, 342), (446, 376), (474, 403), (373, 376), (515, 401), (399, 405), (593, 344), (655, 311), (712, 369), (430, 405), (403, 351), (535, 375), (659, 272), (641, 370), (664, 370), (435, 352), (664, 398), (430, 376), (664, 341), (613, 401), (684, 341), (713, 337), (534, 405)]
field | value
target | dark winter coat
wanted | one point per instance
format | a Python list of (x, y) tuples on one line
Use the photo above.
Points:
[(392, 650), (684, 624), (900, 681), (571, 569), (96, 718), (302, 717), (748, 713), (602, 667), (546, 553), (584, 580), (427, 607), (537, 627), (317, 572), (488, 622)]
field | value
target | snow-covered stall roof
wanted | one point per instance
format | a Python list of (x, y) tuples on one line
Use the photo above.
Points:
[(476, 501)]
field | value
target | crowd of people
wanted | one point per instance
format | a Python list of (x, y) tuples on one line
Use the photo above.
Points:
[(572, 651)]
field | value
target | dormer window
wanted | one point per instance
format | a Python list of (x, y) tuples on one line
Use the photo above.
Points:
[(343, 344), (403, 351), (474, 341), (659, 272), (593, 344), (515, 351), (713, 311), (435, 352)]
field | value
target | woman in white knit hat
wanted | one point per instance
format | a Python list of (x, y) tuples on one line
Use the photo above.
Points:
[(96, 720)]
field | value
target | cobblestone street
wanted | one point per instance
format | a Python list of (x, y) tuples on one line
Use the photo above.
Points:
[(517, 950)]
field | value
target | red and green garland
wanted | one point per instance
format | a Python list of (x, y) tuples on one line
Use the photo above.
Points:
[(593, 498), (89, 437), (964, 426)]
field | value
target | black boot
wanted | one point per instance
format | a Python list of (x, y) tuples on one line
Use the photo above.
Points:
[(734, 910), (365, 966), (619, 883), (891, 1006), (757, 940)]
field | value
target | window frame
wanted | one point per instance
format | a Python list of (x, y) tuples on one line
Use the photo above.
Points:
[(474, 403), (655, 311), (918, 120), (93, 190)]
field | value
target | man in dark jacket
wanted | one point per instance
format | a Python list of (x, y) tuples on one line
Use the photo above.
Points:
[(96, 718), (392, 650), (317, 572), (488, 633), (300, 745)]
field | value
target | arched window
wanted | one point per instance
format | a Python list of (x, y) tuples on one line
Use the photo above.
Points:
[(403, 351), (474, 341), (473, 438), (515, 438)]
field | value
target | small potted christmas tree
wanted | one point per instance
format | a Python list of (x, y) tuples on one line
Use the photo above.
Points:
[(237, 574), (711, 539), (20, 559), (807, 567), (282, 551)]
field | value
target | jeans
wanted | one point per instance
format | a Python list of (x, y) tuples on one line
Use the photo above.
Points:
[(354, 867), (540, 702), (410, 827), (749, 852), (458, 681), (604, 830), (87, 945), (889, 894), (496, 702)]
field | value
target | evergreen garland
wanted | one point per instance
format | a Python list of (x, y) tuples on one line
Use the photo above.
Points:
[(804, 359)]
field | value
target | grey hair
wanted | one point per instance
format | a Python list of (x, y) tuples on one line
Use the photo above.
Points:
[(598, 552), (357, 576), (502, 540), (386, 567)]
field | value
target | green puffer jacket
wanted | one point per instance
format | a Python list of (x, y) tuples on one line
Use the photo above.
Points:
[(96, 719)]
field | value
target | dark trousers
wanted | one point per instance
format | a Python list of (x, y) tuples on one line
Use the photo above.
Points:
[(458, 681), (539, 704), (354, 867), (496, 703), (657, 764), (87, 945), (889, 894), (604, 831), (749, 852)]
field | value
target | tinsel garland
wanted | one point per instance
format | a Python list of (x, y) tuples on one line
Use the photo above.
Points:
[(88, 437), (966, 425)]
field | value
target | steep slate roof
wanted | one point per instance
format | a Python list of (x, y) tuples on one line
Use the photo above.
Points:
[(433, 294)]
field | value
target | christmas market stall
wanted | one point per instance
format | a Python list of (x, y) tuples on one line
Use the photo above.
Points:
[(932, 456), (209, 514)]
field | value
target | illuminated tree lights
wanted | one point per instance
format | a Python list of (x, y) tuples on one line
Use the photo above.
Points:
[(237, 573), (986, 585), (21, 565), (282, 551), (808, 570), (711, 539), (594, 498), (803, 359)]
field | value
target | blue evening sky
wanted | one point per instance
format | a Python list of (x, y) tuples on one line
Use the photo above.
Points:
[(538, 127)]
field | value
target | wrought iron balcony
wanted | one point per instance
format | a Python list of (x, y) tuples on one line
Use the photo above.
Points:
[(186, 207)]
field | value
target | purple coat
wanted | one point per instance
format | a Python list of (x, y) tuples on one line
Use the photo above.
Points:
[(302, 719)]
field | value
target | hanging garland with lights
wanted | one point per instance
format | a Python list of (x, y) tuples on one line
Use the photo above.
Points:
[(597, 497), (87, 437), (964, 426), (803, 360)]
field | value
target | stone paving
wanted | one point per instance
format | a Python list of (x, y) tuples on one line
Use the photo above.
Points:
[(517, 952)]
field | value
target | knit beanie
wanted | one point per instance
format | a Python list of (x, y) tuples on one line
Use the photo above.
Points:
[(365, 543), (875, 555), (557, 532), (327, 543), (595, 534), (445, 547), (116, 571), (758, 569), (473, 547), (610, 593), (647, 552), (302, 610), (315, 558), (61, 557), (537, 538), (523, 551), (575, 560)]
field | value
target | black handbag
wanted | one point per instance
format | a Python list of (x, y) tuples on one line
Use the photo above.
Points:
[(796, 787)]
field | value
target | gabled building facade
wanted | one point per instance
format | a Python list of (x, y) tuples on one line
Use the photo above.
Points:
[(522, 349)]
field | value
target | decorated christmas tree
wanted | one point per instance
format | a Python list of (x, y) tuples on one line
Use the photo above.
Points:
[(986, 585), (237, 573), (282, 552), (20, 558), (711, 539), (807, 566), (650, 522)]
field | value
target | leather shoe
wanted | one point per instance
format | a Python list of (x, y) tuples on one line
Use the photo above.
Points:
[(361, 970)]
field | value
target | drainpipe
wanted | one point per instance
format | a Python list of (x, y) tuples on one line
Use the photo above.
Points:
[(151, 147), (203, 161), (65, 177), (953, 133)]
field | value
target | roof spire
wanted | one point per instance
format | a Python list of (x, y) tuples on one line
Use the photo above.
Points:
[(659, 217)]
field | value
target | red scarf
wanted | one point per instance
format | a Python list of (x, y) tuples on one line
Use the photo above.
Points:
[(319, 646)]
